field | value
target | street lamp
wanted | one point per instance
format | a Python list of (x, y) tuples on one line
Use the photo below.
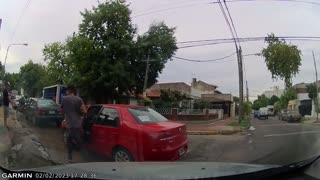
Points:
[(5, 60)]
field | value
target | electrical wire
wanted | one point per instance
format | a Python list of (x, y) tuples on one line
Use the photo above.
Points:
[(253, 38), (231, 41), (19, 20), (137, 14), (178, 7), (212, 60)]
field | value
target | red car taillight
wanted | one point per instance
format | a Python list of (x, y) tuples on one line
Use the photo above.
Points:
[(160, 137), (41, 111)]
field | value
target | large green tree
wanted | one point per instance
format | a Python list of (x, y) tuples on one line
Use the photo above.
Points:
[(273, 100), (33, 78), (106, 58), (262, 101), (282, 59), (289, 94)]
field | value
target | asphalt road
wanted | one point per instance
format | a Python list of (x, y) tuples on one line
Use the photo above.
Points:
[(272, 142)]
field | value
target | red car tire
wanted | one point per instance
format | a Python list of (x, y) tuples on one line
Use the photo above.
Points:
[(121, 154)]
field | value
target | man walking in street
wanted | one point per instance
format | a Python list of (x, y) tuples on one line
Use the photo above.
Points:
[(73, 108), (6, 101)]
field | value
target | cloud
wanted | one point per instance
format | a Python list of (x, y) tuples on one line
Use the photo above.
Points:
[(47, 21)]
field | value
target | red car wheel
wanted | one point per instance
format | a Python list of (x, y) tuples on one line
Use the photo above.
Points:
[(122, 155)]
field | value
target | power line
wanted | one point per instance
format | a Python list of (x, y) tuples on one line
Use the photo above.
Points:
[(178, 7), (254, 38), (212, 60), (178, 2), (19, 20), (211, 42), (228, 1)]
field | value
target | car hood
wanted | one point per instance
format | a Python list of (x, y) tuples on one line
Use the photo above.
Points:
[(155, 170)]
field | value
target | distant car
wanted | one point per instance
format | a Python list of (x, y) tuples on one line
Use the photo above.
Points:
[(263, 113), (43, 111), (132, 133), (291, 116)]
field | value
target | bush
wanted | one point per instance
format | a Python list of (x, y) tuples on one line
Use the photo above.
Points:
[(147, 102)]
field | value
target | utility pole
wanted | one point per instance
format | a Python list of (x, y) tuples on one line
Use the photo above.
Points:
[(317, 87), (241, 113), (247, 89), (146, 77)]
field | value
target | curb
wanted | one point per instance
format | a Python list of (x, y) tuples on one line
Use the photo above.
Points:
[(213, 132)]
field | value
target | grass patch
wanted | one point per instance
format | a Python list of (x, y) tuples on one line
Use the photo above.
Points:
[(245, 123)]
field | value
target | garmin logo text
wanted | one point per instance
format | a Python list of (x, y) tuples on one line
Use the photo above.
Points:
[(16, 175)]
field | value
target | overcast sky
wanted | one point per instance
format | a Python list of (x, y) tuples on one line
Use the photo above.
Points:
[(45, 21)]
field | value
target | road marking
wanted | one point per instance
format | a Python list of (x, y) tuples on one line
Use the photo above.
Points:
[(288, 134)]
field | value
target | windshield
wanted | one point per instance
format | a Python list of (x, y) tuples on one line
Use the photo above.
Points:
[(211, 81), (146, 115)]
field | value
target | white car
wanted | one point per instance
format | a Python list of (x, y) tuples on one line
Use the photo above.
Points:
[(263, 113)]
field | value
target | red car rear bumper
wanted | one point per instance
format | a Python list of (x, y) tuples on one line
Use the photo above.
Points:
[(170, 154)]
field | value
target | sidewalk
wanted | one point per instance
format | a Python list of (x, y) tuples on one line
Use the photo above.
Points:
[(6, 138), (218, 127)]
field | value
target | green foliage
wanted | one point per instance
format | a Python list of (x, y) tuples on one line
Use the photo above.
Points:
[(33, 78), (262, 101), (200, 104), (172, 97), (147, 102), (273, 100), (245, 123), (107, 56), (14, 79), (277, 106), (247, 108), (283, 60), (313, 95), (288, 95), (236, 99)]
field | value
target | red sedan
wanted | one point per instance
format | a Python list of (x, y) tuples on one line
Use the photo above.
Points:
[(133, 133)]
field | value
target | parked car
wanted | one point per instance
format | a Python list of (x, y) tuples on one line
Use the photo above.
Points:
[(132, 133), (290, 116), (43, 111), (263, 113)]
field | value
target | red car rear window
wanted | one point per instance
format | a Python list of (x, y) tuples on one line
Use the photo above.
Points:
[(146, 115)]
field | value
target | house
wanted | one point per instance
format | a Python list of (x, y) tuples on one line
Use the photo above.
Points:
[(196, 91), (221, 101), (303, 103)]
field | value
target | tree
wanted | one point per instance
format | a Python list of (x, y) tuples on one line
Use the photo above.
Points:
[(247, 107), (33, 78), (172, 97), (273, 100), (283, 60), (262, 101), (14, 79), (59, 66), (313, 95), (288, 95), (107, 56)]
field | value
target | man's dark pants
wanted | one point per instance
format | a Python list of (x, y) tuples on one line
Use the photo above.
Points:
[(73, 140)]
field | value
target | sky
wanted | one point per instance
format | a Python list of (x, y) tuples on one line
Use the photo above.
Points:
[(39, 22)]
